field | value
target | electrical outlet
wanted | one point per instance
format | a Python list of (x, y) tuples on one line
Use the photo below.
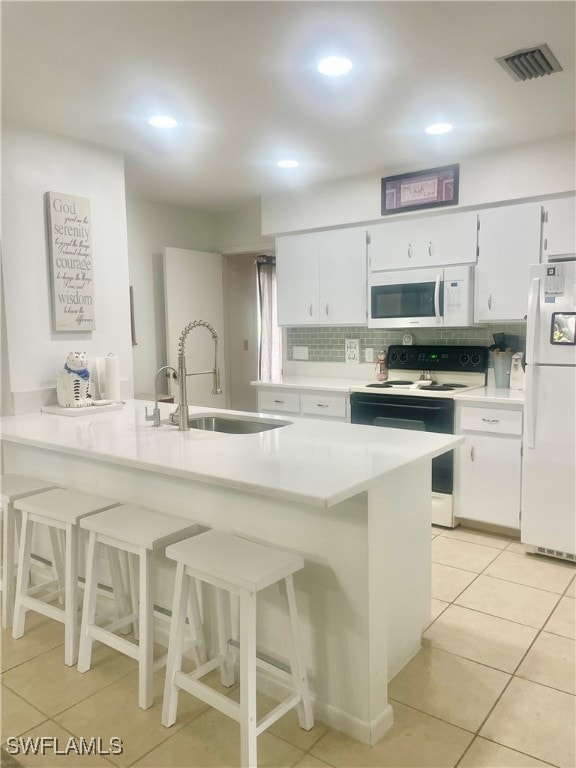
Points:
[(300, 353), (369, 354)]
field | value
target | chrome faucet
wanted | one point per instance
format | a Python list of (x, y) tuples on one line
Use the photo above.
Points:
[(155, 415), (181, 411)]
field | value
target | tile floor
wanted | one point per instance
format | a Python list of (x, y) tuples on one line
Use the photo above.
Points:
[(493, 686)]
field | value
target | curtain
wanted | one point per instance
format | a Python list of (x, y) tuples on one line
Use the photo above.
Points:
[(270, 349)]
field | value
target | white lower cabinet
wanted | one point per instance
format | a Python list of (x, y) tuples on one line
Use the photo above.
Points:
[(488, 465), (309, 403)]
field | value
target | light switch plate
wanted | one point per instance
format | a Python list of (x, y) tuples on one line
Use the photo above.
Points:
[(300, 353)]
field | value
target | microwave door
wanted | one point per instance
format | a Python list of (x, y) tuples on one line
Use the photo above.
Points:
[(401, 300)]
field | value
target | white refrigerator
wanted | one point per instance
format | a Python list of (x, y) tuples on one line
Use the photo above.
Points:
[(548, 520)]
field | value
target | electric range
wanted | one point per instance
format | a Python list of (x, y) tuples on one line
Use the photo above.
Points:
[(418, 395)]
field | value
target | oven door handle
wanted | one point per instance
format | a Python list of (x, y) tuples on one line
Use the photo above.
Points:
[(359, 401)]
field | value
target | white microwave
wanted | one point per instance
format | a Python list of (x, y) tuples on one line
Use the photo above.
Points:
[(426, 298)]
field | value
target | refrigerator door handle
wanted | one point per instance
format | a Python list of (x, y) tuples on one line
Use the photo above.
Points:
[(529, 416), (533, 313)]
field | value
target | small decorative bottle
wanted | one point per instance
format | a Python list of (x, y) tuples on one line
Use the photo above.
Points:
[(381, 366)]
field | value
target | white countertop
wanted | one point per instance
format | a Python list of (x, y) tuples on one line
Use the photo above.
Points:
[(492, 395), (319, 464), (327, 384)]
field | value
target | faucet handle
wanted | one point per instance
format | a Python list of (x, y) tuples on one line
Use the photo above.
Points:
[(154, 416)]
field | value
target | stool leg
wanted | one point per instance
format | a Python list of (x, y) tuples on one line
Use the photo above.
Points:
[(224, 634), (248, 739), (145, 671), (71, 596), (89, 609), (175, 645), (58, 561), (133, 579), (8, 570), (299, 677), (118, 586), (23, 576), (195, 621)]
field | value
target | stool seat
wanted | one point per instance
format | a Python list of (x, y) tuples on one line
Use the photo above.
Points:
[(64, 505), (60, 510), (237, 561), (140, 526), (139, 532), (12, 488)]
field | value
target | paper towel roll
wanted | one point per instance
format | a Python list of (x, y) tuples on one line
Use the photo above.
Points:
[(112, 368)]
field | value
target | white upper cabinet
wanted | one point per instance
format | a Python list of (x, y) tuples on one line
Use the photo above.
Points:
[(322, 278), (427, 242), (558, 227), (508, 242)]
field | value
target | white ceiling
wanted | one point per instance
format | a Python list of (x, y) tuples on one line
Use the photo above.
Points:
[(241, 79)]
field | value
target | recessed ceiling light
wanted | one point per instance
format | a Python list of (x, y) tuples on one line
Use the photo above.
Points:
[(288, 164), (334, 66), (437, 128), (162, 121)]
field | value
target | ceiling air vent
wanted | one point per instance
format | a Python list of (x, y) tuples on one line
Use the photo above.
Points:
[(530, 63)]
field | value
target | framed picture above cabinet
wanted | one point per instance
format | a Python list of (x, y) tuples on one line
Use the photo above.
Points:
[(432, 188)]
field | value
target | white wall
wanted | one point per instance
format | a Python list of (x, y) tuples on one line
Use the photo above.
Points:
[(33, 164), (528, 170), (240, 231), (152, 228)]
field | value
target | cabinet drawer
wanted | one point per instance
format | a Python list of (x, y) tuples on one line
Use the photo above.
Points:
[(498, 420), (287, 402), (323, 405)]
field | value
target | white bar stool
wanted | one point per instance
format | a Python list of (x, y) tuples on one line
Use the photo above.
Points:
[(139, 532), (59, 510), (242, 568), (13, 488)]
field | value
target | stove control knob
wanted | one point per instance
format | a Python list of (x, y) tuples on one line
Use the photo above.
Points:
[(464, 359), (403, 357), (475, 359), (394, 357)]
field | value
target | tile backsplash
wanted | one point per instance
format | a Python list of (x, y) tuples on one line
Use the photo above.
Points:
[(326, 343)]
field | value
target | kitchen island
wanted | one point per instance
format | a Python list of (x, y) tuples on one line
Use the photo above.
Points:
[(353, 500)]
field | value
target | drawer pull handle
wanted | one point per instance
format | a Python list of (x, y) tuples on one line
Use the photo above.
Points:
[(491, 421), (280, 402), (322, 405)]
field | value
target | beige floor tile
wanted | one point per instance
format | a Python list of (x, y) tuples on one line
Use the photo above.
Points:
[(213, 740), (487, 754), (551, 661), (309, 761), (478, 537), (448, 583), (514, 602), (287, 727), (416, 740), (63, 743), (537, 720), (17, 715), (436, 608), (454, 689), (114, 711), (63, 686), (563, 620), (516, 546), (477, 636), (532, 571), (41, 635), (571, 591), (462, 554)]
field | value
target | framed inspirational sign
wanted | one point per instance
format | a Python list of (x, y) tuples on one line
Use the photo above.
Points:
[(418, 190), (70, 239)]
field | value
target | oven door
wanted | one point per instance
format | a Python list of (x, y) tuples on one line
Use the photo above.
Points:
[(404, 299), (410, 412)]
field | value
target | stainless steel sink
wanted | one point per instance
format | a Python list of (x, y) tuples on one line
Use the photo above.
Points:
[(233, 425)]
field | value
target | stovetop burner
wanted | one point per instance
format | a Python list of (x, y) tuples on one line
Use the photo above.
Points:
[(390, 384)]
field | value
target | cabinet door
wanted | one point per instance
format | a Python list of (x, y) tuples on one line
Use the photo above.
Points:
[(559, 227), (342, 260), (427, 242), (297, 276), (489, 480), (509, 241)]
